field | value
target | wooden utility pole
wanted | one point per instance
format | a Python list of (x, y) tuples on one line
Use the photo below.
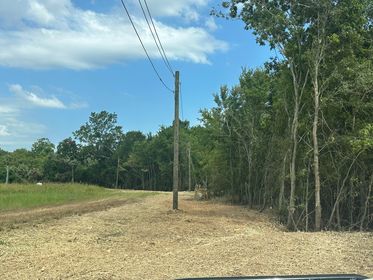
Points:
[(7, 175), (175, 204), (117, 174), (189, 169), (72, 173)]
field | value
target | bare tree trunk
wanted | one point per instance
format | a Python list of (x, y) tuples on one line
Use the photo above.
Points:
[(117, 175), (150, 177), (294, 136), (142, 180), (282, 188), (338, 217), (72, 174), (298, 92), (351, 210), (265, 185), (341, 190), (231, 172), (249, 195), (267, 190), (307, 190), (248, 183), (154, 178), (317, 55), (366, 204), (316, 98), (249, 177), (316, 164), (7, 175)]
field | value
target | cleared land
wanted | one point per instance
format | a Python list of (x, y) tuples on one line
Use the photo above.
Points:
[(145, 240)]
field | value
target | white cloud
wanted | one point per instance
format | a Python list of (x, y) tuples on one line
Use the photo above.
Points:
[(187, 9), (15, 131), (17, 125), (14, 12), (18, 133), (60, 35), (39, 13), (23, 129), (33, 98), (211, 24), (4, 130), (7, 109)]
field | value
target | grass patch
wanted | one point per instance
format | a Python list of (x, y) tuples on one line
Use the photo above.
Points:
[(18, 196)]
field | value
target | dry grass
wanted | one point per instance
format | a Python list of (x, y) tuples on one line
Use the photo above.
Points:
[(146, 240)]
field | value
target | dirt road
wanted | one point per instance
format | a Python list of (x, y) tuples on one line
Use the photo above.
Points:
[(145, 240)]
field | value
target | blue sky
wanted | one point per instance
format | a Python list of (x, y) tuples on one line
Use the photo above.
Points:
[(60, 60)]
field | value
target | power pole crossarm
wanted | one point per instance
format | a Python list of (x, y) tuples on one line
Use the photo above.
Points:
[(175, 204)]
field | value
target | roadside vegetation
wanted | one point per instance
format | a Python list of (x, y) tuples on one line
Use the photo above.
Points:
[(295, 135), (26, 196)]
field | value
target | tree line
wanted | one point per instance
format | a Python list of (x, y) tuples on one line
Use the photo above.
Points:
[(298, 133), (295, 135), (98, 153)]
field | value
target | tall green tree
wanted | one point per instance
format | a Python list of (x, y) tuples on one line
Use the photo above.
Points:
[(100, 138), (68, 153), (318, 41)]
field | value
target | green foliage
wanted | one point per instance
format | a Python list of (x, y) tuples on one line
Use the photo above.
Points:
[(99, 139), (251, 125), (17, 196), (244, 145), (364, 139), (42, 148), (100, 134)]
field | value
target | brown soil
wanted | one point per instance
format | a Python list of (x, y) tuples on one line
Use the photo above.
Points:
[(146, 240)]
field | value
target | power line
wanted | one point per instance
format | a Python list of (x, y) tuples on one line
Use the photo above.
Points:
[(156, 33), (142, 44), (155, 40)]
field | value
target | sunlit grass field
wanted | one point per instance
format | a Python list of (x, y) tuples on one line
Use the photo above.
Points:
[(23, 196)]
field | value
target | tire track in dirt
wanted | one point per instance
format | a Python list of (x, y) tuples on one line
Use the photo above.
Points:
[(146, 240)]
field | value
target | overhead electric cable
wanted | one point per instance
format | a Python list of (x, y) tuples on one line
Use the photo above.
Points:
[(143, 46), (156, 33), (155, 40)]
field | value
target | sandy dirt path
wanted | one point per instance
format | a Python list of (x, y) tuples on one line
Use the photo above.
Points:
[(145, 240)]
